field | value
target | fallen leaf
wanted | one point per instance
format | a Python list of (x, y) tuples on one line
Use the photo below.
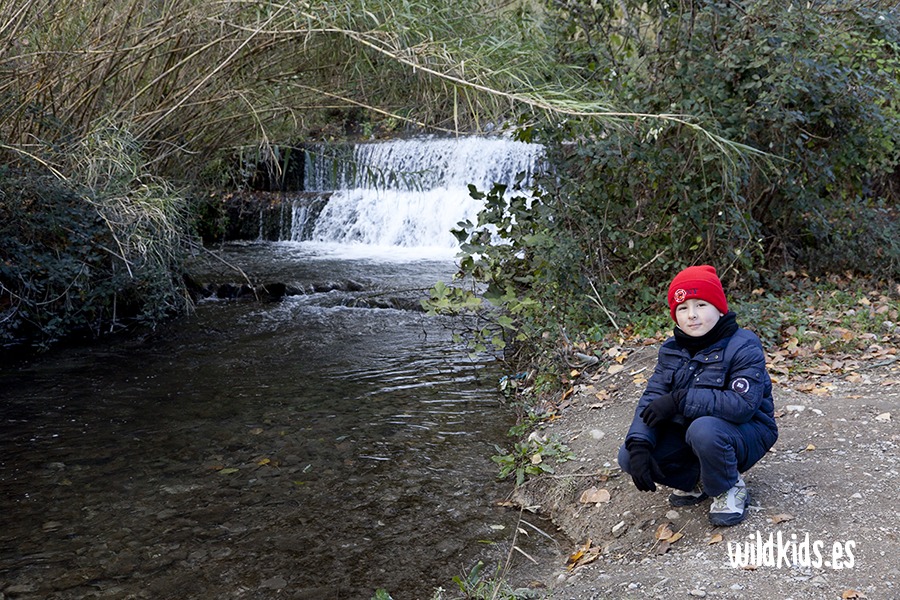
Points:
[(717, 538), (587, 553), (664, 531), (674, 537), (594, 496), (613, 369), (228, 471), (781, 518), (264, 462), (852, 595), (536, 459), (574, 373), (810, 448), (256, 431)]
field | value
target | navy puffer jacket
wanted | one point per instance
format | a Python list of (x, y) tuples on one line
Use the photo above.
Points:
[(728, 380)]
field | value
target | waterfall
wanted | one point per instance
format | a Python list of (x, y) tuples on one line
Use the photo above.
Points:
[(406, 193)]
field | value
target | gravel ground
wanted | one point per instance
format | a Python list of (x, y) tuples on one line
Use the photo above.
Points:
[(828, 488)]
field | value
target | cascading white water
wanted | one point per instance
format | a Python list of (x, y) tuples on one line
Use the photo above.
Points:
[(409, 193)]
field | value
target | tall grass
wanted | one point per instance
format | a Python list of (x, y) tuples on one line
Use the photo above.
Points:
[(190, 76)]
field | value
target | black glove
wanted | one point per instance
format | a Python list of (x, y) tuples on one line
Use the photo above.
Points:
[(643, 466), (660, 409)]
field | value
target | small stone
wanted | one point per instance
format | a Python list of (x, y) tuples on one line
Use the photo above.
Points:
[(274, 583), (22, 588), (672, 515), (619, 528), (51, 526), (819, 580), (857, 496), (795, 408), (737, 586), (697, 593), (597, 434), (633, 586)]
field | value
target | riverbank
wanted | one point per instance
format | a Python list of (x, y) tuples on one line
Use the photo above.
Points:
[(831, 479)]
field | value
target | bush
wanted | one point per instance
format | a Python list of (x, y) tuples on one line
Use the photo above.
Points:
[(628, 203), (72, 264)]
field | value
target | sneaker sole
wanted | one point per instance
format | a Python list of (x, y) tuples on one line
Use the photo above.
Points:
[(680, 501), (730, 519)]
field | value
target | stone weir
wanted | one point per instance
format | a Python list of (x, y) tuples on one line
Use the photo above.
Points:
[(407, 193), (271, 216)]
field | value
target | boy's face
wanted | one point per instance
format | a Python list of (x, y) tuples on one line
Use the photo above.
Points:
[(696, 317)]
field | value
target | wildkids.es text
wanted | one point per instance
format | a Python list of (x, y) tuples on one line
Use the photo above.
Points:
[(782, 551)]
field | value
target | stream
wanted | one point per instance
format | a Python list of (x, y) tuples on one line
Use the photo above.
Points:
[(319, 447), (307, 448)]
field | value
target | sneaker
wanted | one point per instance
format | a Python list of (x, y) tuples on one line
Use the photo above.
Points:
[(730, 507), (691, 498)]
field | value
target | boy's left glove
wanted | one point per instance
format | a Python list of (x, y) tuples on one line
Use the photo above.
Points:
[(661, 409)]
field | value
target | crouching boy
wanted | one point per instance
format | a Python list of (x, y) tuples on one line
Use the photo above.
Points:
[(706, 415)]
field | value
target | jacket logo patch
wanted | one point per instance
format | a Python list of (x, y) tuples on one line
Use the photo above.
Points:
[(740, 385)]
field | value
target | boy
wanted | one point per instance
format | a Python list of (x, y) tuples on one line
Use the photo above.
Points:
[(706, 415)]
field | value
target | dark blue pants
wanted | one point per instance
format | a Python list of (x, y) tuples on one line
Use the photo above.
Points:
[(711, 450)]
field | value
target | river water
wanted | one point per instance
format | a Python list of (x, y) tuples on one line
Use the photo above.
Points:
[(309, 447), (320, 447)]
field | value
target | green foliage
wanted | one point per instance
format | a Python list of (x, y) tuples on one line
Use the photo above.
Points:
[(89, 256), (813, 88), (479, 585), (529, 457)]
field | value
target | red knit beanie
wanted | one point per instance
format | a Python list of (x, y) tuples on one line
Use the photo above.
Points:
[(699, 283)]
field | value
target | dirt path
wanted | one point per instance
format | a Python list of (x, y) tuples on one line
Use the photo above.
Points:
[(830, 484)]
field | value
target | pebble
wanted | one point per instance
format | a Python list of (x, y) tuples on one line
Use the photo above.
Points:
[(795, 408), (857, 496), (697, 593), (274, 583), (737, 586), (597, 434), (672, 515), (618, 529)]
